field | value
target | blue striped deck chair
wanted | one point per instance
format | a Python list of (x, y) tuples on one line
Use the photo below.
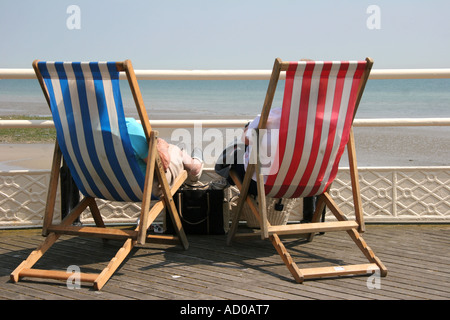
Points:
[(92, 137)]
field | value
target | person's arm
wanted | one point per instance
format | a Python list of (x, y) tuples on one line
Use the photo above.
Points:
[(140, 145), (247, 131), (163, 149)]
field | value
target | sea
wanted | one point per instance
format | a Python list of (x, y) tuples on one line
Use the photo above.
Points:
[(241, 99)]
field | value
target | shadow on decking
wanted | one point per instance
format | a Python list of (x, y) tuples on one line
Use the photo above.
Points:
[(417, 257)]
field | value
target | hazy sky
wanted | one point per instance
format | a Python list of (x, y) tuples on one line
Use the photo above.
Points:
[(225, 34)]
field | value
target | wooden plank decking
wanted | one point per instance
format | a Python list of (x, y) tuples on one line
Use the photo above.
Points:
[(417, 257)]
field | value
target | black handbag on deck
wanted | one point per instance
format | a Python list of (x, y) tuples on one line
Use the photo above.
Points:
[(200, 210)]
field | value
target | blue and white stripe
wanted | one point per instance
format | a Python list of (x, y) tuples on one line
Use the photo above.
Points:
[(87, 109)]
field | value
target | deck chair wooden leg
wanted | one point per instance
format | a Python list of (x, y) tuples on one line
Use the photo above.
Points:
[(35, 255), (241, 202), (52, 190), (367, 251), (170, 204), (301, 274), (96, 214), (263, 222), (159, 206), (25, 268), (356, 237), (355, 182), (143, 222), (320, 205), (114, 263), (235, 221), (129, 244), (99, 280), (149, 215), (243, 189), (286, 257), (342, 224)]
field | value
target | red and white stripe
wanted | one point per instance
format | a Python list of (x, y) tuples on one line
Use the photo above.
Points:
[(317, 114)]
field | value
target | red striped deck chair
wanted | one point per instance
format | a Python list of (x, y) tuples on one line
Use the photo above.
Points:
[(92, 137), (319, 104)]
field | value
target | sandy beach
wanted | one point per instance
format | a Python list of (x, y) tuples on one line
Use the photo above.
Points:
[(416, 146), (402, 146)]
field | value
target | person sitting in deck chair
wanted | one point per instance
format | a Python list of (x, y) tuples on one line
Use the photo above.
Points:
[(268, 149), (174, 159)]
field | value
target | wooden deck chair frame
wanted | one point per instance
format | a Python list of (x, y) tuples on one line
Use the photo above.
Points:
[(353, 228), (132, 237)]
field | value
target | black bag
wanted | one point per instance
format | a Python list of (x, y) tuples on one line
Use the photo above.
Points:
[(200, 210)]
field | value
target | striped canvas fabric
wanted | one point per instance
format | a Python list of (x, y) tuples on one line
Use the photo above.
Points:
[(87, 110), (317, 114)]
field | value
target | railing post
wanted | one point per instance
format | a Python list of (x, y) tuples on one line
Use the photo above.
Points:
[(394, 193)]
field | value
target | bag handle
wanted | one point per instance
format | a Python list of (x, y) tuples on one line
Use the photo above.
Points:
[(180, 201)]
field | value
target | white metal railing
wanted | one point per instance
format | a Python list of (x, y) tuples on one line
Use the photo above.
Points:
[(9, 73), (376, 74), (397, 122), (441, 73)]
